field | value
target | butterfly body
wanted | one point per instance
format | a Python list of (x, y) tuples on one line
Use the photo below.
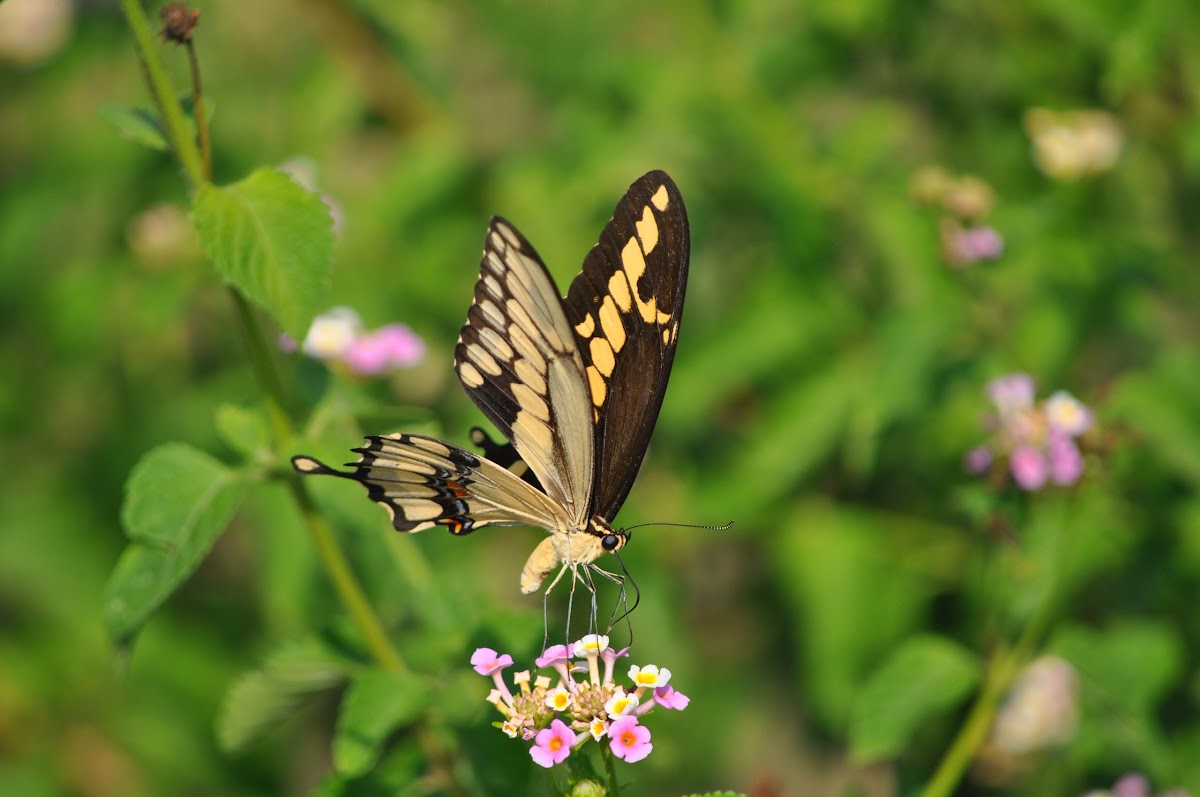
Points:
[(574, 383)]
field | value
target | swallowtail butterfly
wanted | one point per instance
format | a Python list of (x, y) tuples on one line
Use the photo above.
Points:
[(574, 384)]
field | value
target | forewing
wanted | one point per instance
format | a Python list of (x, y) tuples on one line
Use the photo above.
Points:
[(624, 309), (424, 482), (518, 361)]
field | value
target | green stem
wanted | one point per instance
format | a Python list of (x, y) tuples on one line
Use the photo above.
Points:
[(348, 589), (975, 729), (198, 111), (1000, 674), (610, 771), (196, 171), (178, 133)]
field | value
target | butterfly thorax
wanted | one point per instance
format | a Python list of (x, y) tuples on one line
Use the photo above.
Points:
[(571, 548)]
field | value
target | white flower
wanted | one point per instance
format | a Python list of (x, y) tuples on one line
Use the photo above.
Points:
[(559, 700), (591, 645), (649, 676), (332, 333), (1067, 414), (620, 704)]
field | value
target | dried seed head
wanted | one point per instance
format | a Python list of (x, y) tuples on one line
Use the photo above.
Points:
[(179, 22)]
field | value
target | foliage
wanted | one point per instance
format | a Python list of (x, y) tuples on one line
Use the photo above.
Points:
[(873, 601)]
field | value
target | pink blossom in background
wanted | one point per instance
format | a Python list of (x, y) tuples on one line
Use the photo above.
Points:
[(1037, 440)]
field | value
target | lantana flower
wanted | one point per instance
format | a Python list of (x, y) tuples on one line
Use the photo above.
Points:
[(561, 712), (338, 339), (964, 202), (1068, 145), (1037, 441)]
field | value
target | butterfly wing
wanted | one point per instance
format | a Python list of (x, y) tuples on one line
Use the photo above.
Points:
[(624, 309), (518, 360), (424, 482)]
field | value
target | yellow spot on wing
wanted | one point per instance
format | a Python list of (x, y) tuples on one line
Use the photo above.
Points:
[(530, 401), (469, 375), (618, 286), (635, 266), (497, 344), (599, 388), (660, 198), (602, 356), (484, 360), (529, 375), (586, 327), (610, 322), (647, 230)]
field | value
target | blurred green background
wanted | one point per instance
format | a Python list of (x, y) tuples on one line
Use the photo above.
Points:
[(829, 377)]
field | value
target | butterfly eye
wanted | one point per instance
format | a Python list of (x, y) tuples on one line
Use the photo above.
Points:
[(610, 542)]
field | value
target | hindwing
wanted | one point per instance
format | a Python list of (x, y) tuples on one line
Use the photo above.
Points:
[(424, 482)]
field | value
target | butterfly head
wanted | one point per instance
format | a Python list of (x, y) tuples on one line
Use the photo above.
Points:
[(611, 540)]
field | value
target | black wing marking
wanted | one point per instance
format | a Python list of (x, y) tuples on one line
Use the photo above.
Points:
[(424, 482), (624, 309)]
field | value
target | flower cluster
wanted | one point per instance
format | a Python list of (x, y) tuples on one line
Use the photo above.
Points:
[(1068, 145), (964, 200), (1134, 785), (560, 715), (1039, 440), (337, 337)]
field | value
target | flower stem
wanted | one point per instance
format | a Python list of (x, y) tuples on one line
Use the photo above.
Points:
[(1001, 671), (198, 111), (974, 730), (610, 771), (164, 97)]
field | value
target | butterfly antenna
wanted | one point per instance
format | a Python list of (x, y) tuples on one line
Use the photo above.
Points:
[(724, 527)]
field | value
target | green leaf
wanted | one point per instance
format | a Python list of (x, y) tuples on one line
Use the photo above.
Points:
[(272, 240), (261, 699), (244, 430), (142, 126), (178, 500), (925, 677), (377, 703), (135, 124), (1131, 663)]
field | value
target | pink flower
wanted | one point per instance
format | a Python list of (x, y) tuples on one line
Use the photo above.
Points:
[(1029, 468), (977, 460), (1011, 393), (487, 661), (667, 697), (630, 741), (1064, 459), (552, 745), (389, 347)]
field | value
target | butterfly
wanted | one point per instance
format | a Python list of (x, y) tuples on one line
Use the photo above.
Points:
[(574, 384)]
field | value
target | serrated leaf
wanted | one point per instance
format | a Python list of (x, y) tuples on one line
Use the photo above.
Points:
[(243, 429), (926, 676), (272, 240), (261, 699), (178, 500), (377, 703)]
